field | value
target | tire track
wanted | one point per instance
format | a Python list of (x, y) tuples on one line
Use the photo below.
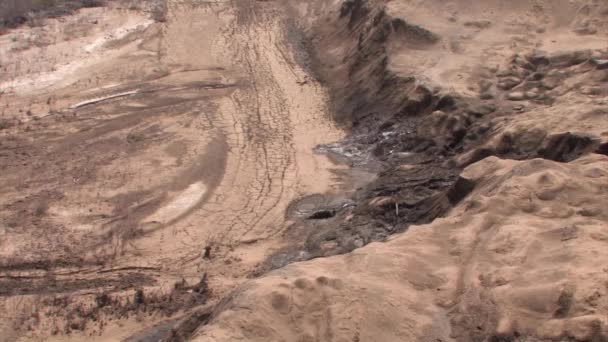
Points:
[(269, 126)]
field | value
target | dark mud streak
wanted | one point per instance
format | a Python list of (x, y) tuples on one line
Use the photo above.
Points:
[(13, 287)]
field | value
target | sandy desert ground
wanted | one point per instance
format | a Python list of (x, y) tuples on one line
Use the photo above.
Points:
[(361, 170)]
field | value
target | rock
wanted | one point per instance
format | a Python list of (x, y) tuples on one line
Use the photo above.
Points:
[(486, 96), (446, 103), (482, 110), (539, 58), (550, 83), (480, 24), (505, 71), (522, 62), (566, 59), (485, 85), (508, 82), (516, 96), (382, 201), (418, 100), (601, 64), (585, 28), (537, 76), (519, 108), (591, 90), (532, 93)]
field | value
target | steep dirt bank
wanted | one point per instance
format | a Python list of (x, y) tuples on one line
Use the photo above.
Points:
[(423, 129), (428, 90), (512, 97)]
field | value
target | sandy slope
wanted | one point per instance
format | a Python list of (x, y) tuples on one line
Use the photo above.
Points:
[(521, 253)]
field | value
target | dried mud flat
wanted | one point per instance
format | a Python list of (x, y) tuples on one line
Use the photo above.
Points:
[(151, 169)]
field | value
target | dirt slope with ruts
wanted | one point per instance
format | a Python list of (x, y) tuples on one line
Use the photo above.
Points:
[(147, 166)]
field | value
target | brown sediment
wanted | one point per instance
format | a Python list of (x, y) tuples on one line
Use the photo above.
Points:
[(204, 173)]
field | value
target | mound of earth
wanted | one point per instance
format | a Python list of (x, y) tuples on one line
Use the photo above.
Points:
[(517, 259)]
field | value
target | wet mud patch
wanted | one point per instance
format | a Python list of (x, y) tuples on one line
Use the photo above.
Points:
[(398, 198), (401, 195)]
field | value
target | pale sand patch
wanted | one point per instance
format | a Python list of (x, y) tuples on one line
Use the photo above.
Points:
[(179, 205)]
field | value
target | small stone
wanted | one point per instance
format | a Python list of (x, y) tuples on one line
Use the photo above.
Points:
[(600, 63), (486, 96), (505, 71), (482, 110), (328, 245), (480, 24), (532, 93), (522, 62), (537, 76), (585, 30), (590, 90), (516, 96), (508, 83), (549, 83), (485, 85)]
